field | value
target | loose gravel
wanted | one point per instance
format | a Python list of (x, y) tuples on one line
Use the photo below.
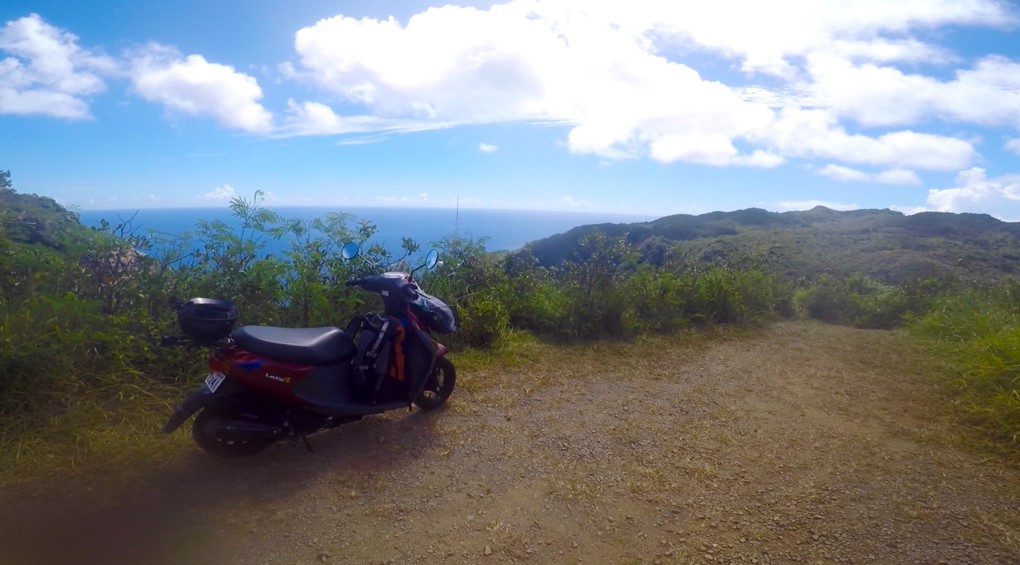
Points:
[(799, 443)]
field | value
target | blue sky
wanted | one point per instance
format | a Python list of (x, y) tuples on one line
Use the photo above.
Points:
[(644, 107)]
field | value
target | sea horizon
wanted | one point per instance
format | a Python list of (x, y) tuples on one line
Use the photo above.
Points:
[(502, 229)]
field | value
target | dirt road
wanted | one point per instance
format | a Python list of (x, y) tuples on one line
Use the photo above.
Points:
[(802, 443)]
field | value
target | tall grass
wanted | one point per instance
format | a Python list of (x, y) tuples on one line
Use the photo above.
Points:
[(78, 359), (977, 334)]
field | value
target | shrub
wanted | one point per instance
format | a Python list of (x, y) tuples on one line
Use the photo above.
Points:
[(978, 334), (863, 302), (483, 321)]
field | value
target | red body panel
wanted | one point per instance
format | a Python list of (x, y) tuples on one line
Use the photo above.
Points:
[(262, 374)]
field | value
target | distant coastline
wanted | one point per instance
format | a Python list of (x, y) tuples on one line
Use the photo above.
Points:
[(503, 229)]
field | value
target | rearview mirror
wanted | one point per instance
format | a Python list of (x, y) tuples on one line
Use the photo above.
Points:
[(432, 259), (350, 251)]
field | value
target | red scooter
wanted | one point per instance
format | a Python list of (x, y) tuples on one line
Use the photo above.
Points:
[(266, 384)]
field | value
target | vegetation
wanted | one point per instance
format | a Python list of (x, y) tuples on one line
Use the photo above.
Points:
[(882, 245), (977, 334), (81, 310)]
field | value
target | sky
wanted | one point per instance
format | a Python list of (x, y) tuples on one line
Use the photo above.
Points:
[(640, 107)]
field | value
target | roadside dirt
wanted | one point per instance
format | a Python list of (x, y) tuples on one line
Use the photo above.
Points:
[(801, 443)]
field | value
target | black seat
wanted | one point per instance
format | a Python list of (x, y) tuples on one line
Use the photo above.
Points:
[(309, 346)]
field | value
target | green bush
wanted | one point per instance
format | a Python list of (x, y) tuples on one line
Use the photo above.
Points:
[(483, 321), (96, 307), (978, 334), (863, 302)]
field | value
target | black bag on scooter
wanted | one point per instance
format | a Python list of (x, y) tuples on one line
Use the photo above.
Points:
[(373, 334)]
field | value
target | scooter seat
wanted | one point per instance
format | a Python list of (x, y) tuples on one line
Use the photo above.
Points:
[(309, 346)]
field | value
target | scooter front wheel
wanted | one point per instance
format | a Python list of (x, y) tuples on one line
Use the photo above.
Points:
[(439, 386)]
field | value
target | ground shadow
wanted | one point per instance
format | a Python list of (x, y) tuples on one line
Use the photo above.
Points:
[(163, 515)]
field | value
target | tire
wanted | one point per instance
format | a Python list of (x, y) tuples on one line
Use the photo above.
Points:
[(439, 385), (237, 407)]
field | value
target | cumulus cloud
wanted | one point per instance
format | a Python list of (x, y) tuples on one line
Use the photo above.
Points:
[(487, 148), (1013, 145), (841, 173), (769, 37), (816, 134), (316, 118), (854, 84), (975, 192), (420, 198), (572, 203), (193, 86), (891, 176), (224, 193), (898, 176), (877, 95), (538, 62), (44, 71), (624, 77)]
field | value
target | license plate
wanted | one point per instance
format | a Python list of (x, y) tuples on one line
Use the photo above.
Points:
[(214, 380)]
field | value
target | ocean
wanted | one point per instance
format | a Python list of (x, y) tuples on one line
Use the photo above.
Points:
[(503, 229)]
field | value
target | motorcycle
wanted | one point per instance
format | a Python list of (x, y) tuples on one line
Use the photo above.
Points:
[(267, 384)]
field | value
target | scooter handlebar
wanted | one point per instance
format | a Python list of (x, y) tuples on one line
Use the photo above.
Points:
[(387, 286)]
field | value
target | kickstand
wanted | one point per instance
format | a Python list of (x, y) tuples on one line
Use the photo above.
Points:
[(308, 444)]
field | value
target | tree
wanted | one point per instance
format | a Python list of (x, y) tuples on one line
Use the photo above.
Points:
[(5, 182)]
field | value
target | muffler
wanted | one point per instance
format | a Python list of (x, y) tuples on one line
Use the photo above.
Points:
[(228, 429)]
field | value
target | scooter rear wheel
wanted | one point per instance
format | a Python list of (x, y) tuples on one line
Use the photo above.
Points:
[(439, 386), (237, 407)]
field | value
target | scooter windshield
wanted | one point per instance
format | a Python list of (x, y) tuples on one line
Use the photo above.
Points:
[(435, 312)]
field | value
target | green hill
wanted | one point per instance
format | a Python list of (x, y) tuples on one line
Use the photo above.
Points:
[(31, 219), (883, 244)]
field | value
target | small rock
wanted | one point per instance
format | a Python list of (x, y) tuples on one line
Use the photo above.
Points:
[(488, 550)]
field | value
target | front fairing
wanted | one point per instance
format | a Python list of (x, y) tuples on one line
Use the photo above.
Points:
[(424, 352), (435, 313)]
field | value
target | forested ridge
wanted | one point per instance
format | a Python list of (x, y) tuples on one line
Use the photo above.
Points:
[(82, 309), (882, 244)]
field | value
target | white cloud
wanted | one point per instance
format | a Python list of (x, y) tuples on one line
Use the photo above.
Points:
[(487, 148), (816, 134), (316, 118), (569, 202), (44, 71), (909, 210), (624, 77), (856, 84), (420, 198), (898, 176), (841, 173), (876, 95), (891, 176), (708, 149), (224, 193), (768, 37), (194, 86), (454, 65), (999, 197), (1013, 145)]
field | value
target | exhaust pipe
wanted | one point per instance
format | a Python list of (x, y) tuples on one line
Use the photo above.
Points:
[(239, 430)]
